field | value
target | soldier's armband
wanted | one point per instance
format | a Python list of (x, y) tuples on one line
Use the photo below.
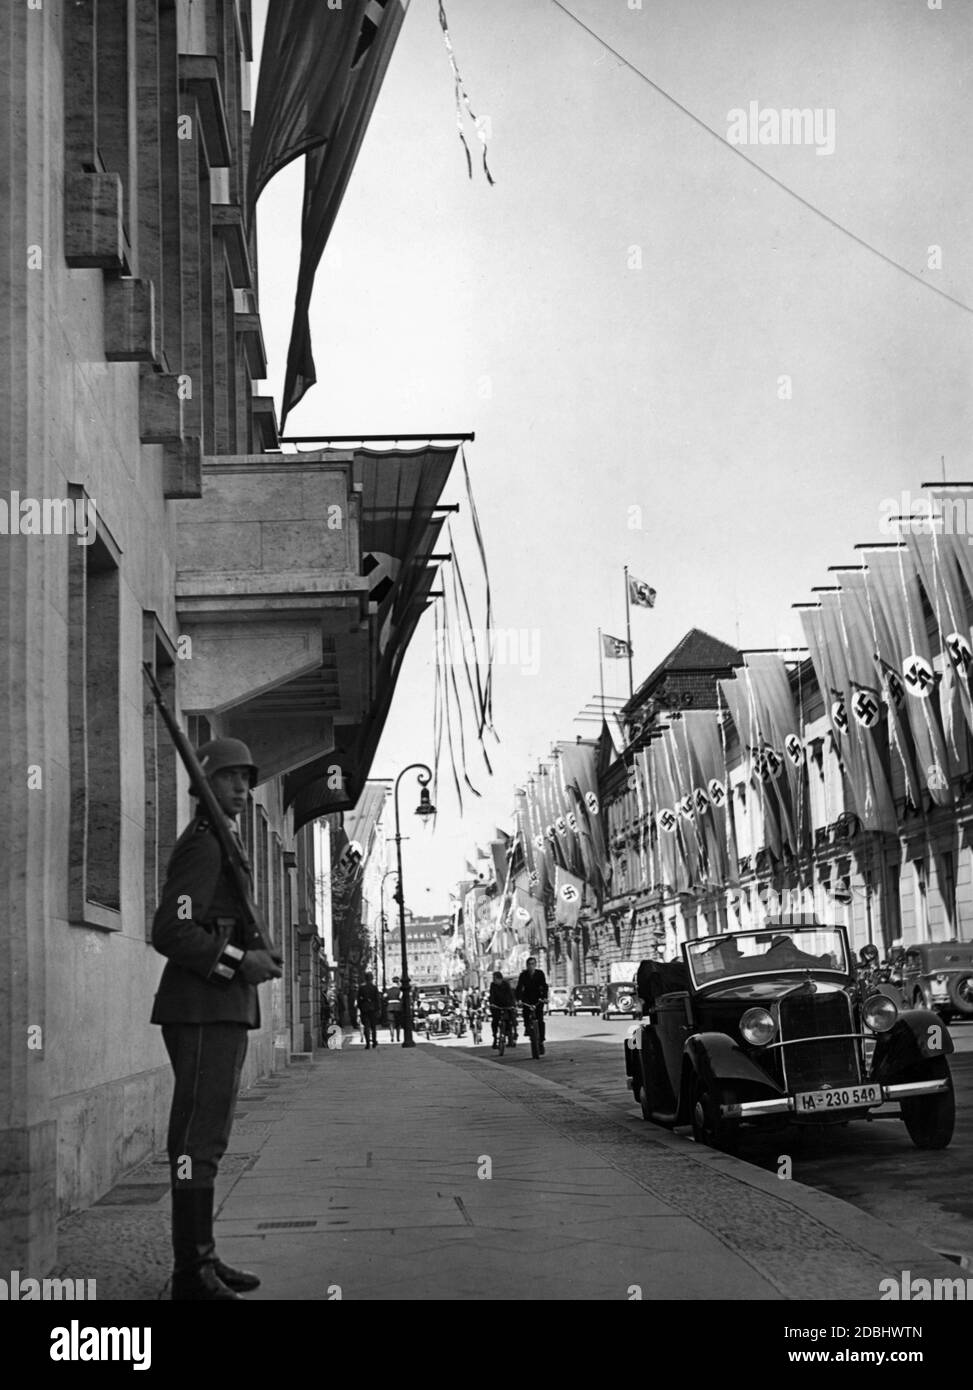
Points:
[(228, 963)]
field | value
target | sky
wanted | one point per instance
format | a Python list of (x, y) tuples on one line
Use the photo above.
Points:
[(614, 318)]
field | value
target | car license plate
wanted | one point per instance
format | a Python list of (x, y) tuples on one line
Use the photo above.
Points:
[(840, 1098)]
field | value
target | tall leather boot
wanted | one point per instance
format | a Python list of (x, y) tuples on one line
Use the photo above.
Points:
[(194, 1272)]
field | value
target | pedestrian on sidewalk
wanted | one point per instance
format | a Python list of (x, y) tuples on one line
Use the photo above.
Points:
[(532, 989), (369, 1008), (206, 1003), (502, 1001), (393, 1003), (325, 1017)]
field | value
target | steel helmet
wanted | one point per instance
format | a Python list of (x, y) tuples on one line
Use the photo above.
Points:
[(220, 753)]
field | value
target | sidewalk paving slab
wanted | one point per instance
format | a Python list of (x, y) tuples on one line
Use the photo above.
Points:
[(432, 1173)]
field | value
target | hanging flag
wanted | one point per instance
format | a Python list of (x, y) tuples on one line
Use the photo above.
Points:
[(568, 891), (614, 647), (543, 861), (579, 763), (700, 731), (321, 71), (871, 792), (566, 822), (675, 868), (721, 795), (653, 872), (529, 850), (875, 636), (688, 831), (763, 812), (640, 594), (500, 851), (531, 920), (941, 580), (778, 719), (895, 586)]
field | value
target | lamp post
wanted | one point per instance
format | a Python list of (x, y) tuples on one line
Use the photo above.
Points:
[(424, 809), (390, 874)]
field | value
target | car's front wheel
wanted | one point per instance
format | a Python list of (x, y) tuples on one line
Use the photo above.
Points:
[(930, 1120), (961, 995), (709, 1126)]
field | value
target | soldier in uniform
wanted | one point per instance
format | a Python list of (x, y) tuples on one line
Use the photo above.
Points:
[(206, 1003)]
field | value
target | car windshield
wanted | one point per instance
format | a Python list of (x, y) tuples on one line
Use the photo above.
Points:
[(946, 955), (760, 952)]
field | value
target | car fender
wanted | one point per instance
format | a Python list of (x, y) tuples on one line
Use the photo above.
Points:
[(716, 1059), (890, 991), (649, 1058), (917, 1036)]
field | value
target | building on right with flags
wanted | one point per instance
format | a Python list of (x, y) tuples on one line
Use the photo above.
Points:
[(834, 779)]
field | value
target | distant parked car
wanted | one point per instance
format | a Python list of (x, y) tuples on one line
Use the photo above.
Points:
[(939, 975), (558, 999), (585, 999), (621, 1001)]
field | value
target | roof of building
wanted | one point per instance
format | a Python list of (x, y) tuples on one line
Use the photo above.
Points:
[(697, 651)]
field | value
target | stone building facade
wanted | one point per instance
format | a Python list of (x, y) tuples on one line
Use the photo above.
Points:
[(149, 516)]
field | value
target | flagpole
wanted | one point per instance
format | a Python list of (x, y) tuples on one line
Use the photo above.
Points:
[(628, 634), (601, 672)]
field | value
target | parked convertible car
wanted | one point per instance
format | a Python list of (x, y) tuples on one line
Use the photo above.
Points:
[(769, 1027), (621, 999), (939, 975)]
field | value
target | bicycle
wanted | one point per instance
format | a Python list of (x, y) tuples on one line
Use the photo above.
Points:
[(507, 1029), (532, 1024)]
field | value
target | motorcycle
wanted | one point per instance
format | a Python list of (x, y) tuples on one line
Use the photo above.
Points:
[(876, 976)]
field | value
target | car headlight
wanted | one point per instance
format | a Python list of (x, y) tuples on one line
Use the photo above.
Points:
[(880, 1013), (758, 1027)]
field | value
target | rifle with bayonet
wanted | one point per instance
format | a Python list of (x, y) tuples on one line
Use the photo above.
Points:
[(255, 932)]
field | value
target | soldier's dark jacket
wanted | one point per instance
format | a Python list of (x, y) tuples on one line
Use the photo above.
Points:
[(198, 918)]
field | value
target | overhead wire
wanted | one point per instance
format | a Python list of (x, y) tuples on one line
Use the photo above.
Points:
[(779, 183)]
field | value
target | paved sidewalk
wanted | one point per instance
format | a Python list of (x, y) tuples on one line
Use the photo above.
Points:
[(432, 1173)]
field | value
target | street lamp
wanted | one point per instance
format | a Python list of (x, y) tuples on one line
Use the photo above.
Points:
[(424, 809), (390, 874)]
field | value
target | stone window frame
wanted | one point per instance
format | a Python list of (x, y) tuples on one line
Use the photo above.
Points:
[(94, 729), (161, 765), (261, 863)]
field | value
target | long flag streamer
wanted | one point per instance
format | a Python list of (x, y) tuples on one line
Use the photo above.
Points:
[(462, 100), (477, 532)]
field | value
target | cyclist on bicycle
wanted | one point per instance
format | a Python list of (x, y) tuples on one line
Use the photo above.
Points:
[(502, 1002), (475, 1009), (532, 989), (474, 1002)]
